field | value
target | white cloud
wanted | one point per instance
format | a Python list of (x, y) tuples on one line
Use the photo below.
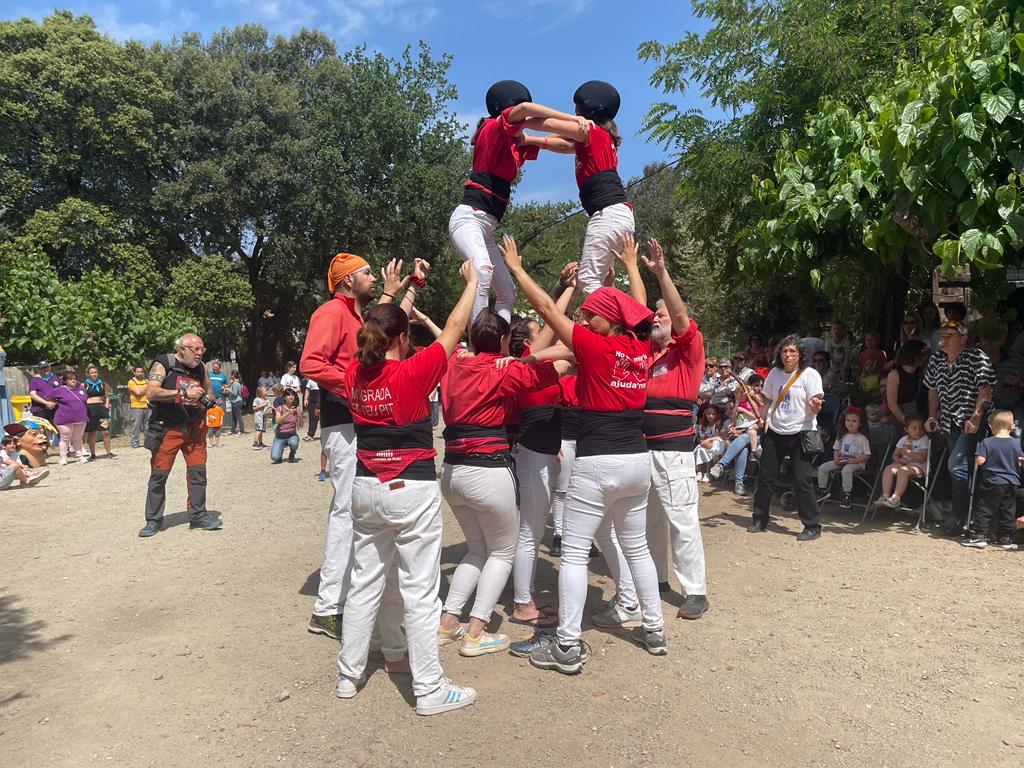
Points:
[(109, 21)]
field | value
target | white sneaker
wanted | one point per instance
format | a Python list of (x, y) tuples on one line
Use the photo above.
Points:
[(717, 471), (63, 461), (346, 687), (892, 502), (83, 460), (446, 698), (618, 615), (34, 478)]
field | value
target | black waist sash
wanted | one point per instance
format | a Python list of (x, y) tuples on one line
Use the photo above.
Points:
[(668, 424), (540, 428), (601, 190), (607, 433), (416, 436), (462, 444), (495, 200)]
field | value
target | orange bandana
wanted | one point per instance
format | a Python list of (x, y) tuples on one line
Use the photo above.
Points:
[(341, 265)]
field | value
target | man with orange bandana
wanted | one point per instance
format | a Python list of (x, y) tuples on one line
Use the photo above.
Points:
[(329, 350)]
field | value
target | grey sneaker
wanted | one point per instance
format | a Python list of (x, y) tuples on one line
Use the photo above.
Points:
[(693, 607), (717, 471), (525, 648), (446, 698), (549, 655), (618, 615), (654, 642), (329, 626)]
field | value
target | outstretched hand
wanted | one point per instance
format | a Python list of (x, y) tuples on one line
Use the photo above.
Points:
[(569, 273), (628, 253), (394, 283), (510, 252), (467, 272), (657, 261), (421, 268)]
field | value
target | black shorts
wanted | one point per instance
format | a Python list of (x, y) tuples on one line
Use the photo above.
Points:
[(99, 417)]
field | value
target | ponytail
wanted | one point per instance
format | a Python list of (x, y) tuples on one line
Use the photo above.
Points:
[(487, 331), (613, 131), (384, 323), (479, 125)]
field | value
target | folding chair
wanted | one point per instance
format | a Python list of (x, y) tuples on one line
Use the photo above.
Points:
[(880, 442)]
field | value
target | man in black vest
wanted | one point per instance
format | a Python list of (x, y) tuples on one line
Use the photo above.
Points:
[(179, 393)]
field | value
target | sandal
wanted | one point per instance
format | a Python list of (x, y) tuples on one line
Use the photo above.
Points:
[(541, 621)]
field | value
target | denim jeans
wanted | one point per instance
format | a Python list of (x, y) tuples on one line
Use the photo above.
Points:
[(961, 459), (277, 449), (738, 451)]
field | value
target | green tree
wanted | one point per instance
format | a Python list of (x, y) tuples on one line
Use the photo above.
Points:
[(928, 173), (213, 291)]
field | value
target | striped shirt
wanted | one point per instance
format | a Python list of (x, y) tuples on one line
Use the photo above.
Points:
[(957, 384)]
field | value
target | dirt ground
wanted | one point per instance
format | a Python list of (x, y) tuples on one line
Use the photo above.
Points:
[(874, 646)]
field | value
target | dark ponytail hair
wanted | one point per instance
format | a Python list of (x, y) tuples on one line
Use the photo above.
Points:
[(383, 324), (613, 131), (486, 331), (479, 125), (520, 335)]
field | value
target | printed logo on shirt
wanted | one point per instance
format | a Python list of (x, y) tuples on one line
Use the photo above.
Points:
[(659, 369), (629, 372), (372, 403)]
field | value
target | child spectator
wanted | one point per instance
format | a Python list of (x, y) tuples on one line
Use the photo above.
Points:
[(261, 407), (710, 441), (839, 353), (11, 468), (869, 379), (909, 459), (871, 348), (214, 424), (999, 458), (850, 455)]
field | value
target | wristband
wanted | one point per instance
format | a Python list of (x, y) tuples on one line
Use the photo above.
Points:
[(418, 281), (389, 295)]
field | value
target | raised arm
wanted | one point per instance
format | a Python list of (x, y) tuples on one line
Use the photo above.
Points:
[(628, 257), (543, 304), (673, 300), (394, 283), (547, 333), (426, 322), (574, 130), (459, 318), (529, 109), (418, 279)]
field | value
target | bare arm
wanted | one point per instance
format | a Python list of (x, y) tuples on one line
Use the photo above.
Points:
[(628, 256), (459, 318), (673, 300), (892, 383), (557, 351), (573, 130), (550, 143), (426, 322), (543, 304), (157, 394), (419, 272), (547, 333), (393, 282), (529, 109)]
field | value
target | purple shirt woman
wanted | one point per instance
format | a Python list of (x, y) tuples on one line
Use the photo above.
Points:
[(70, 416)]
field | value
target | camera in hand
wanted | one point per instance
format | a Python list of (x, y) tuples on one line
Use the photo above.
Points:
[(207, 402)]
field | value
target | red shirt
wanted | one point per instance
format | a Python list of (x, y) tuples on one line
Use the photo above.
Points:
[(597, 156), (567, 392), (476, 392), (678, 369), (395, 392), (331, 343), (496, 152), (612, 370)]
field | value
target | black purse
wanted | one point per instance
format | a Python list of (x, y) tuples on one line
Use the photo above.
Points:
[(810, 443), (154, 435)]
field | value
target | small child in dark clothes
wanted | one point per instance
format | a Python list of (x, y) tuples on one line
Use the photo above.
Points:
[(999, 458)]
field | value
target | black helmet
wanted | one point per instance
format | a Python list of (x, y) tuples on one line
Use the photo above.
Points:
[(597, 100), (504, 94)]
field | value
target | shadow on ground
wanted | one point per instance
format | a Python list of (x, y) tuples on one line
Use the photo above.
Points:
[(20, 636)]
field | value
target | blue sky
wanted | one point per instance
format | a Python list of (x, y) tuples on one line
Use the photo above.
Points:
[(551, 46)]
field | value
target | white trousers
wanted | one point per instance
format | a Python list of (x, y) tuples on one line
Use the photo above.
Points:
[(483, 500), (847, 471), (702, 455), (472, 234), (672, 519), (395, 525), (602, 242), (339, 444), (566, 458), (617, 487), (536, 472)]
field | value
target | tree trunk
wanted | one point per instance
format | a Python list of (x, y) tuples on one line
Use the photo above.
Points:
[(889, 298)]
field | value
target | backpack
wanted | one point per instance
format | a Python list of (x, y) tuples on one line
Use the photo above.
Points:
[(245, 393)]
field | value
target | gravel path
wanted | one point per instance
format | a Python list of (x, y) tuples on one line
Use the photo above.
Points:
[(874, 646)]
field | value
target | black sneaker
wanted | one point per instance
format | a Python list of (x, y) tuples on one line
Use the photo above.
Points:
[(974, 541), (556, 546), (1005, 543), (693, 607), (846, 501), (664, 586), (594, 551), (150, 529), (205, 523), (809, 534), (756, 528)]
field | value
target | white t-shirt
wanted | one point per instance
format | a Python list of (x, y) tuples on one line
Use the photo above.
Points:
[(851, 445), (792, 415), (916, 446), (311, 385), (291, 380)]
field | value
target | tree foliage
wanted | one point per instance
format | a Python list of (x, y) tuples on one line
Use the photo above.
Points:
[(213, 290), (930, 171)]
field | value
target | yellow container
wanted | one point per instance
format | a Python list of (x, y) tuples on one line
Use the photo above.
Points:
[(21, 404)]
